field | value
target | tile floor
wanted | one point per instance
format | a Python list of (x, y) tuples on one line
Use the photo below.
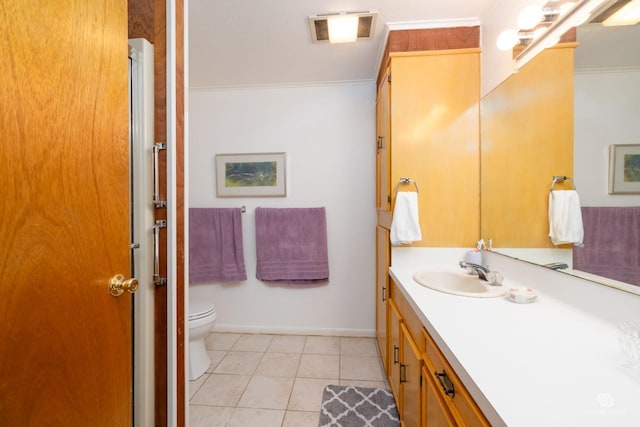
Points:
[(277, 380)]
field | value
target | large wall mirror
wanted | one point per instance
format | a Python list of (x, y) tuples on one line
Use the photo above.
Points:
[(558, 116)]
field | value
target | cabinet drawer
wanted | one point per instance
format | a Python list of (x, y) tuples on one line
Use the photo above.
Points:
[(463, 408)]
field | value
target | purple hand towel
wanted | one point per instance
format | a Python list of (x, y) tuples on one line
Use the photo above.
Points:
[(215, 245), (291, 245), (611, 243)]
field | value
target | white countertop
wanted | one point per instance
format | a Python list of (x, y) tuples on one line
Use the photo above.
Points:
[(548, 363)]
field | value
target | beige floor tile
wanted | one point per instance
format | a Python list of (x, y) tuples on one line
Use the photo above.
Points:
[(278, 365), (319, 366), (301, 419), (360, 383), (322, 345), (220, 341), (221, 390), (267, 393), (250, 417), (360, 368), (287, 344), (239, 362), (195, 385), (252, 342), (307, 394), (216, 357), (351, 346), (209, 416)]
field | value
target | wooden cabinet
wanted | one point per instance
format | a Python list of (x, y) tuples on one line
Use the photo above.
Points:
[(428, 131), (383, 253), (405, 364), (426, 388), (383, 145)]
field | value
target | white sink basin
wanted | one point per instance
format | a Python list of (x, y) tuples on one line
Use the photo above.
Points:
[(457, 283)]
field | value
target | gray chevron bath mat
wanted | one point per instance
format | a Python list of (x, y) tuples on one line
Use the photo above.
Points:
[(349, 406)]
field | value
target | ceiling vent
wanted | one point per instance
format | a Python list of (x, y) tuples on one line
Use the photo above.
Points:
[(319, 25)]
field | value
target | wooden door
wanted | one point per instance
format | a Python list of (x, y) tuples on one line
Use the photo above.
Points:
[(434, 407), (383, 141), (394, 351), (410, 371), (65, 343), (383, 259)]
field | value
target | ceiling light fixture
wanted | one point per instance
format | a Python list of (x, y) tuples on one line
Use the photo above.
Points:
[(629, 14), (342, 27)]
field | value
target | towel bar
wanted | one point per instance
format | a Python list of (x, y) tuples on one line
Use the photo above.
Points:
[(561, 178), (406, 181)]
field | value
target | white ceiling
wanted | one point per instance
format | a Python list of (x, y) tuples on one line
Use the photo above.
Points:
[(267, 42)]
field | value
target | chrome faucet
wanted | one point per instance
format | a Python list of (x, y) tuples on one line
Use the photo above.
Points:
[(492, 278)]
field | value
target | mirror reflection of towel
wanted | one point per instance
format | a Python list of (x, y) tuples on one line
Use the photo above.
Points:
[(565, 218), (405, 226)]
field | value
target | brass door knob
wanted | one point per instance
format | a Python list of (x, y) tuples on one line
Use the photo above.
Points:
[(118, 284)]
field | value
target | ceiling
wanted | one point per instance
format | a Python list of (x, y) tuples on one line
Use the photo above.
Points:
[(237, 43)]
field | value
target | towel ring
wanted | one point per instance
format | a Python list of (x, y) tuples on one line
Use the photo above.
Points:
[(406, 181), (561, 178)]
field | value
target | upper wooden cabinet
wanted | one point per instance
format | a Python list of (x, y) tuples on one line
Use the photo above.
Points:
[(428, 130), (527, 138), (383, 140)]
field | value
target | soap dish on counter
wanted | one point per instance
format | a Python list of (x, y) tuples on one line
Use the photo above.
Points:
[(522, 295)]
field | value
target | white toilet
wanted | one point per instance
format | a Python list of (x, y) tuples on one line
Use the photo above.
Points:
[(202, 316)]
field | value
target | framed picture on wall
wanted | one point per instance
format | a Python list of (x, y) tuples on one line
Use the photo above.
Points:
[(624, 169), (251, 175)]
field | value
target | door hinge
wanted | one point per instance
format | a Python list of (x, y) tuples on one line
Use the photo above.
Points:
[(389, 78)]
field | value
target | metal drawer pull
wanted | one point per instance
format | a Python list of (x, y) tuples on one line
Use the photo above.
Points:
[(446, 383), (396, 349), (403, 373)]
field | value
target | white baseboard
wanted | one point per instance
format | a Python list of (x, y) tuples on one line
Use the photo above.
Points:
[(294, 331)]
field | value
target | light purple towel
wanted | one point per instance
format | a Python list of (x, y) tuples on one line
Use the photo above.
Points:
[(611, 243), (291, 245), (215, 245)]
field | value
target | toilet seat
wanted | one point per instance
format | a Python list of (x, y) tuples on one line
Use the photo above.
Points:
[(200, 309)]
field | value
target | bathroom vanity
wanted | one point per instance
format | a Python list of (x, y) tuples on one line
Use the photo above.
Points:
[(456, 360)]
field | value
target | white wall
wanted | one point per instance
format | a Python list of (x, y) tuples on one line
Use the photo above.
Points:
[(606, 108), (328, 134)]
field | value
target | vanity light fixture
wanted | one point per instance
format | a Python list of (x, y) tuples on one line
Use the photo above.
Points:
[(343, 27), (629, 14), (533, 21), (572, 18)]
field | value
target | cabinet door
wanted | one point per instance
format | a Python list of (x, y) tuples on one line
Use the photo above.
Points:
[(383, 141), (394, 351), (410, 371), (434, 408), (383, 259)]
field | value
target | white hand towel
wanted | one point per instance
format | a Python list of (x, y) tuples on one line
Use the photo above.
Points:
[(565, 218), (405, 226)]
